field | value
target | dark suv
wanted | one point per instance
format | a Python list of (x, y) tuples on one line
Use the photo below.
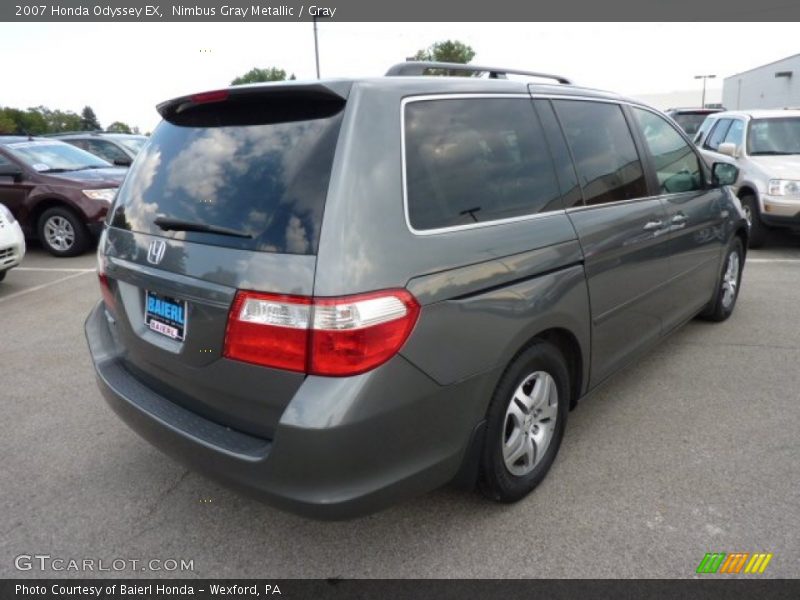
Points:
[(342, 293), (57, 192), (117, 148)]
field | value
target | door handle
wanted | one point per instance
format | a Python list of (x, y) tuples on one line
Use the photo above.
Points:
[(653, 225), (679, 219)]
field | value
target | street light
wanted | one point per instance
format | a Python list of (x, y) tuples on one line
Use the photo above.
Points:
[(316, 45), (704, 77)]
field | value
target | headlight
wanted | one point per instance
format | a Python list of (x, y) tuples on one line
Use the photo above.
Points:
[(106, 194), (6, 213), (783, 187)]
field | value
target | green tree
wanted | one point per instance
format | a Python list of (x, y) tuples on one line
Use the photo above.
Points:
[(59, 120), (119, 127), (7, 124), (29, 121), (452, 51), (256, 75), (89, 120)]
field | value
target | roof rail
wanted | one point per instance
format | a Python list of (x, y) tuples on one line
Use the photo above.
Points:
[(84, 132), (413, 68)]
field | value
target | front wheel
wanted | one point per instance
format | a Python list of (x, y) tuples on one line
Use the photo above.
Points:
[(62, 233), (758, 231), (525, 423), (728, 285)]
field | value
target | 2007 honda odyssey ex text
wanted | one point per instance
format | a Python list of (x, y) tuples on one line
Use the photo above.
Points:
[(343, 293)]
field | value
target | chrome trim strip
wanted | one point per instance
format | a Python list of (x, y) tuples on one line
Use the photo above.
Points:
[(453, 228)]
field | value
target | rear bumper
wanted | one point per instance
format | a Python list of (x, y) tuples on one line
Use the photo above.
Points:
[(340, 450)]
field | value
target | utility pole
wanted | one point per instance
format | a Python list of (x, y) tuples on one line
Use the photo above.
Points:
[(316, 45), (704, 77)]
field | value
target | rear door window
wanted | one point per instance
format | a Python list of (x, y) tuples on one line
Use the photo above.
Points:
[(605, 155), (234, 169), (473, 160)]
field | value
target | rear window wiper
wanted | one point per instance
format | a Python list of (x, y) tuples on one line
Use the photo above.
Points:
[(170, 224)]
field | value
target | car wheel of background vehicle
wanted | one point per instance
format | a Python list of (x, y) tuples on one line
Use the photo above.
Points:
[(525, 423), (62, 233), (3, 275), (758, 231), (728, 284)]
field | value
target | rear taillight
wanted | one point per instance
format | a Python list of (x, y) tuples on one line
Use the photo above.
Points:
[(320, 336), (105, 286)]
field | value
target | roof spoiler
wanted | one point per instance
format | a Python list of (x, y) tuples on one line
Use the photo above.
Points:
[(335, 91), (414, 68)]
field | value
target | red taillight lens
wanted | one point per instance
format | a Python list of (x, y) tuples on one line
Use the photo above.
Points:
[(357, 333), (321, 336), (105, 286), (105, 290), (269, 330), (206, 97)]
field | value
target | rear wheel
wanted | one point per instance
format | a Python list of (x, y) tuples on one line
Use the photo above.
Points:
[(3, 275), (526, 423), (62, 233), (758, 231)]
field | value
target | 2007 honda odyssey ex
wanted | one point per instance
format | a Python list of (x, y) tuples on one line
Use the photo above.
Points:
[(342, 293)]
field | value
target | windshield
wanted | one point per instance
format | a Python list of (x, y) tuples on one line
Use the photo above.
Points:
[(52, 156), (133, 144), (774, 136), (690, 122)]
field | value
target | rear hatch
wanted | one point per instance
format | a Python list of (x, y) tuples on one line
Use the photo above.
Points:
[(228, 194)]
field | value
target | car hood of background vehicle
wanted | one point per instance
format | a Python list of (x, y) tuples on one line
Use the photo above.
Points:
[(779, 167), (111, 176)]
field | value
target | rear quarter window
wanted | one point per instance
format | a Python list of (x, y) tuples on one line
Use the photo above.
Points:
[(474, 160)]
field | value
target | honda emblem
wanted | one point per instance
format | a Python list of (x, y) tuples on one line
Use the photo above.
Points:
[(156, 251)]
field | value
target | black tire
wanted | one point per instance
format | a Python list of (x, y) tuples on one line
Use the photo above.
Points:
[(3, 275), (73, 244), (721, 307), (758, 231), (496, 481)]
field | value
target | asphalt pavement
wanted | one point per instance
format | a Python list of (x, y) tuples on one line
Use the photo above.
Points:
[(693, 449)]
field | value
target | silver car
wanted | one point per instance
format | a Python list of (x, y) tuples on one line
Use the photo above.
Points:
[(765, 146)]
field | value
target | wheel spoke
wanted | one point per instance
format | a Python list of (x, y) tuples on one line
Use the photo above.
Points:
[(512, 454), (523, 400), (549, 412)]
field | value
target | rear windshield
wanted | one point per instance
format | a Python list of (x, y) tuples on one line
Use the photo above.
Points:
[(266, 182), (690, 122)]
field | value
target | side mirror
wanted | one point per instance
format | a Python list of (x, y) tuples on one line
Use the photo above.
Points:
[(729, 149), (12, 171), (123, 162), (724, 173)]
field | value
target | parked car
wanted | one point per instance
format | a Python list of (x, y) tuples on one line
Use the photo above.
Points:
[(690, 119), (117, 148), (58, 193), (765, 146), (342, 293), (12, 242)]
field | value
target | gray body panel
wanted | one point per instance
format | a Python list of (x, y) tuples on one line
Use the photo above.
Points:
[(599, 277)]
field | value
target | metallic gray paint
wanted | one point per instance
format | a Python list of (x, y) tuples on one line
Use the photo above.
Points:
[(339, 447)]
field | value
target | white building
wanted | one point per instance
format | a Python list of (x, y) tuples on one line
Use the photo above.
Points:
[(774, 85)]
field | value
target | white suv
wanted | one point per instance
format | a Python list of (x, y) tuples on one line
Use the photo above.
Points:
[(765, 146), (12, 242)]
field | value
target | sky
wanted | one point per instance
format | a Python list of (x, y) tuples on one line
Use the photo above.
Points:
[(122, 70)]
